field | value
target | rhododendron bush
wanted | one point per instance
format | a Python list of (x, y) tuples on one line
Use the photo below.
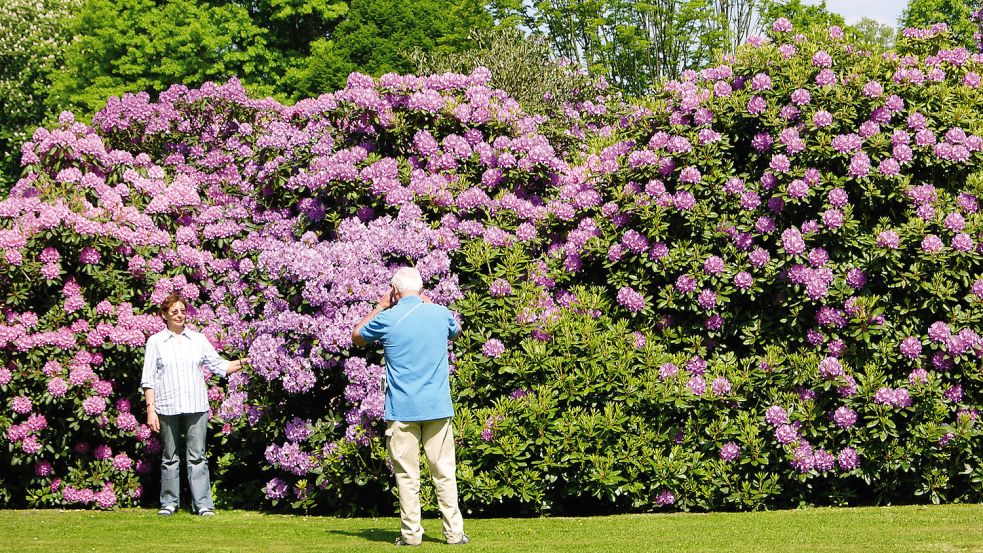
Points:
[(759, 287)]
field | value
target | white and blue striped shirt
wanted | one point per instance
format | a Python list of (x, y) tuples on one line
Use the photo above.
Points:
[(172, 368)]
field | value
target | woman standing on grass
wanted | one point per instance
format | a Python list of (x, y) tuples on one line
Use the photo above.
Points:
[(177, 403)]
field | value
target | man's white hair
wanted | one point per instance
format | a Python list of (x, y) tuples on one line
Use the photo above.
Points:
[(408, 280)]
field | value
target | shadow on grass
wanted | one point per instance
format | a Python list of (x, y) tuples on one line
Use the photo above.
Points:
[(368, 534), (377, 535)]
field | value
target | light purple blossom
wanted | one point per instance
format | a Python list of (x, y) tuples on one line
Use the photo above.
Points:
[(665, 498), (776, 415), (714, 265), (792, 242), (729, 452), (848, 459), (931, 244), (826, 78), (844, 417), (697, 385), (822, 59), (953, 393), (668, 370), (822, 118), (685, 284), (830, 368), (499, 288), (939, 332), (707, 299), (743, 280), (801, 97), (22, 405), (911, 347), (756, 105), (631, 299), (917, 377), (786, 434), (888, 239), (493, 348), (781, 25)]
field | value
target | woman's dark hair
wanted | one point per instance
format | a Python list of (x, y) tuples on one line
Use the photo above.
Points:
[(165, 306)]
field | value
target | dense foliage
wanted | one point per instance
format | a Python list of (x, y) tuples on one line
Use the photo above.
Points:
[(760, 287), (956, 13), (73, 54), (33, 35)]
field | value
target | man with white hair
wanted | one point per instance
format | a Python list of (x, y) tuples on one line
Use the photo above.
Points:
[(418, 409)]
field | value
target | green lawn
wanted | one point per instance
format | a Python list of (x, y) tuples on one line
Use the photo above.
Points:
[(891, 529)]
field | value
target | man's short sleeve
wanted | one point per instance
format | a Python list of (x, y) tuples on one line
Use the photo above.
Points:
[(453, 328), (375, 329)]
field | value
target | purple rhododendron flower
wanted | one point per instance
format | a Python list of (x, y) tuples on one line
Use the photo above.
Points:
[(910, 347), (743, 280), (776, 415), (844, 417), (730, 452), (830, 368), (630, 299), (786, 434), (714, 265), (792, 242), (848, 459), (493, 348), (888, 239), (931, 244), (667, 371)]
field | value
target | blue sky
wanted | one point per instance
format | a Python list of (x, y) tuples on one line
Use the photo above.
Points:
[(884, 11)]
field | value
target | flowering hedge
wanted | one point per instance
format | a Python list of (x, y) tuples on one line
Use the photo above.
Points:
[(761, 286)]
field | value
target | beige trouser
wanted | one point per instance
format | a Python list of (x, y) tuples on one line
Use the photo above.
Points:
[(404, 448)]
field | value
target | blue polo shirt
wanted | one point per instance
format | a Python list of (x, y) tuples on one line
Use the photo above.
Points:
[(414, 336)]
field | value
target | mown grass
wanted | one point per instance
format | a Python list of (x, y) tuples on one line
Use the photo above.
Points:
[(950, 528)]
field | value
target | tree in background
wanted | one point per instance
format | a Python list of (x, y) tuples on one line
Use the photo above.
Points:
[(289, 49), (632, 44), (738, 17), (872, 35), (520, 65), (32, 40), (801, 15), (292, 25), (132, 45), (378, 36), (957, 14), (636, 44)]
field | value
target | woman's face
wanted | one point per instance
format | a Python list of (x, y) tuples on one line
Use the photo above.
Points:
[(174, 317)]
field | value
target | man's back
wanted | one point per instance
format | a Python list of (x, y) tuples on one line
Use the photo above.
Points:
[(414, 335)]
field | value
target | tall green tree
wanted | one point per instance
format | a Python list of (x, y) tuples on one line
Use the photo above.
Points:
[(737, 20), (379, 36), (633, 44), (802, 16), (872, 35), (33, 36), (636, 44), (521, 65), (292, 25), (136, 45), (955, 13)]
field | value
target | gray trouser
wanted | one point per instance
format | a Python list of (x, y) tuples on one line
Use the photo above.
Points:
[(195, 427)]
